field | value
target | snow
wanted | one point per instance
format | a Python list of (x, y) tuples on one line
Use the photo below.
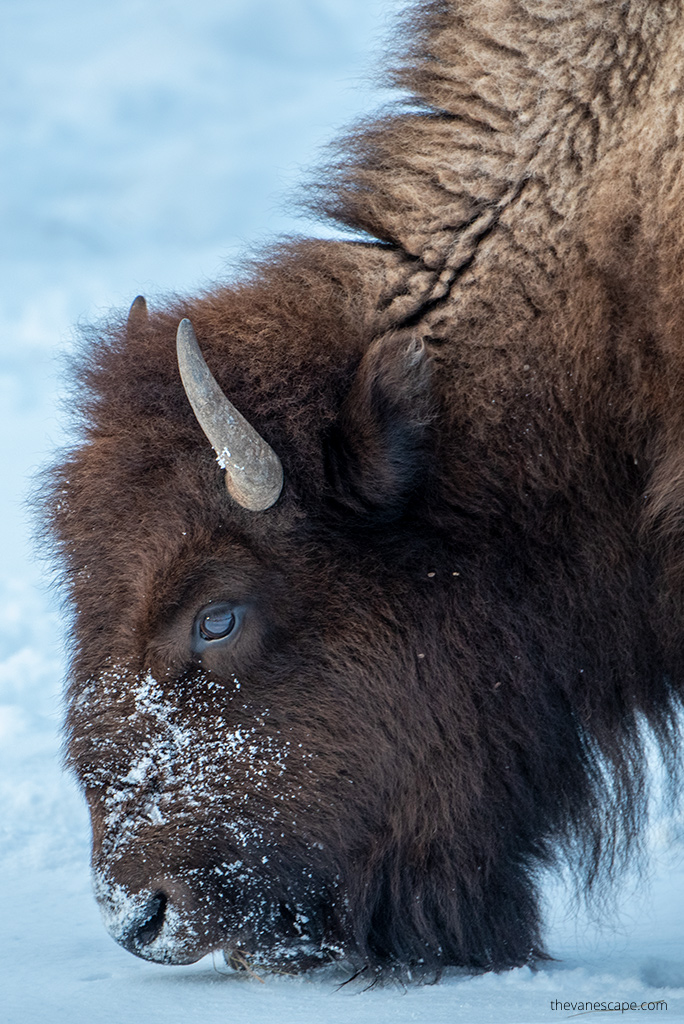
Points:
[(143, 148)]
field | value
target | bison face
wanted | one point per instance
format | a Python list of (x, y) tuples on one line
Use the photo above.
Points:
[(243, 786), (342, 693), (248, 713), (353, 721)]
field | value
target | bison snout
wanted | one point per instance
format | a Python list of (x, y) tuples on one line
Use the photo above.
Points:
[(158, 923)]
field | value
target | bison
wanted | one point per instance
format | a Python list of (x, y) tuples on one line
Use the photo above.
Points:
[(343, 686)]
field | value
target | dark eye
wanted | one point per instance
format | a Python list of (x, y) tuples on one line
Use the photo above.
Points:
[(216, 622)]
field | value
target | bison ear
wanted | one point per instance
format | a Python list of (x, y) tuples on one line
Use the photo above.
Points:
[(378, 443)]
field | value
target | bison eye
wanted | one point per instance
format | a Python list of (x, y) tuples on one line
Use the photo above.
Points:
[(216, 622)]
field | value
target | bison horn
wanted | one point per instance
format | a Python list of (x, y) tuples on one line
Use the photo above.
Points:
[(254, 474), (137, 314)]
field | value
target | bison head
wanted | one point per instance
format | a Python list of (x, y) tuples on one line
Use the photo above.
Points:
[(353, 720), (259, 713)]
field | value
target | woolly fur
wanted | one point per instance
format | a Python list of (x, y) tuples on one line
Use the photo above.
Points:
[(464, 613)]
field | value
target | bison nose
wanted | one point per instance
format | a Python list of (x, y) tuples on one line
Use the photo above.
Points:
[(157, 923), (143, 931)]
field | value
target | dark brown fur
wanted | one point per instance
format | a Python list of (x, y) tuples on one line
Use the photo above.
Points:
[(465, 610)]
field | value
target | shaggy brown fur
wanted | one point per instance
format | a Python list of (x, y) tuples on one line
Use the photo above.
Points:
[(467, 603)]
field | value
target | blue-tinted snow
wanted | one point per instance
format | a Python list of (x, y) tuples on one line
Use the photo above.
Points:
[(142, 148)]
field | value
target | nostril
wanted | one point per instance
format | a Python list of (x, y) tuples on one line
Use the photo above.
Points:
[(146, 929), (160, 922)]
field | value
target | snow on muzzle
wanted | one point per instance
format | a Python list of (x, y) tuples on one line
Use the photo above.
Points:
[(195, 833)]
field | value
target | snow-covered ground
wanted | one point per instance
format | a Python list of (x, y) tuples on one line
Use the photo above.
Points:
[(142, 148)]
